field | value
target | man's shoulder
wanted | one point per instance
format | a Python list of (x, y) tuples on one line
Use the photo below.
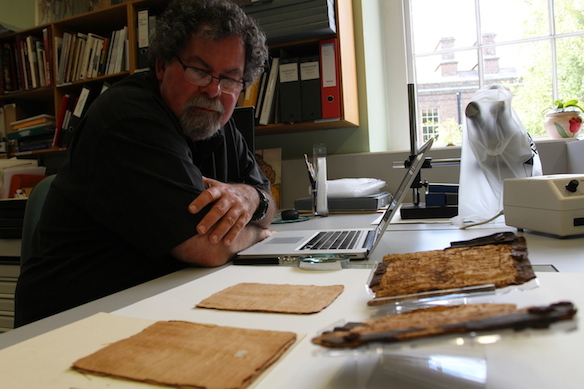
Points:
[(138, 83), (133, 96)]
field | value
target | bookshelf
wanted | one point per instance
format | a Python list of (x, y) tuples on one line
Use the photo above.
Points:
[(346, 68), (48, 99)]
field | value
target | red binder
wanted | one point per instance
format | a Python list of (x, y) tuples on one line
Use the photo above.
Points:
[(329, 76)]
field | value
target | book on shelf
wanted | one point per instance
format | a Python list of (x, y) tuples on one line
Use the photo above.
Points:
[(33, 63), (111, 52), (269, 102), (74, 64), (35, 142), (57, 50), (35, 130), (91, 57), (82, 56), (101, 66), (8, 68), (116, 62), (261, 92), (61, 48), (250, 96), (31, 121), (69, 40), (23, 65), (40, 52), (3, 127), (94, 61), (9, 51), (2, 70), (60, 120), (47, 44)]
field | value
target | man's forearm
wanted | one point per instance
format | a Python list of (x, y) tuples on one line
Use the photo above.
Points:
[(198, 250)]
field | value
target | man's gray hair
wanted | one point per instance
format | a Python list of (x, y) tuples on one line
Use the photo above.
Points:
[(208, 19)]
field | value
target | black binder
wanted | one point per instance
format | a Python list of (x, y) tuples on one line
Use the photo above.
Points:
[(146, 27), (310, 88), (290, 110), (86, 97)]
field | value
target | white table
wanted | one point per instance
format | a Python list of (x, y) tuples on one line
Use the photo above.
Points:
[(552, 360)]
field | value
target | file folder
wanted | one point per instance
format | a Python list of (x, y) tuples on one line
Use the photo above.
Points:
[(143, 38), (310, 88), (86, 97), (329, 74), (290, 105)]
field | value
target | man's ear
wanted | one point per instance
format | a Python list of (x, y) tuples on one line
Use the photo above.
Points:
[(160, 67)]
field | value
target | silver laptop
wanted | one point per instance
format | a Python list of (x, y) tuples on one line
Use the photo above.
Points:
[(355, 243)]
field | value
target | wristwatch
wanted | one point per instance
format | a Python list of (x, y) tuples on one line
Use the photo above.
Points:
[(260, 212)]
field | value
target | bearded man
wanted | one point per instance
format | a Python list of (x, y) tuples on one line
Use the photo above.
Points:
[(157, 177)]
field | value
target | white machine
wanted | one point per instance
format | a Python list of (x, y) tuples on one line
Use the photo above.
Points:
[(553, 204)]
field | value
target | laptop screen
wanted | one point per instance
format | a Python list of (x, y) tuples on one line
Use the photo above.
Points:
[(405, 185)]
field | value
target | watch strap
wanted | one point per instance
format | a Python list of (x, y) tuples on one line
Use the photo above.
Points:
[(262, 209)]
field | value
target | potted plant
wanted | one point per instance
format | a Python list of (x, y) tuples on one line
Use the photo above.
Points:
[(564, 119)]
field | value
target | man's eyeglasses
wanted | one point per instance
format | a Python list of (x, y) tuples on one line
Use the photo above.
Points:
[(202, 78)]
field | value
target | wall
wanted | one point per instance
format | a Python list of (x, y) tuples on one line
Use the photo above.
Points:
[(17, 14), (575, 157)]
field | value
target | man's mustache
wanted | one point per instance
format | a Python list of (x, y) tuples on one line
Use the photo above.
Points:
[(205, 103)]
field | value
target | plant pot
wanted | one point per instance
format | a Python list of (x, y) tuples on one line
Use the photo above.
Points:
[(565, 124)]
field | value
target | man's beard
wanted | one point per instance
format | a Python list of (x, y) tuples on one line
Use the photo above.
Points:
[(197, 124)]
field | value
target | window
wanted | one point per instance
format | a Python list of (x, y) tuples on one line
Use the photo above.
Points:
[(532, 47), (430, 123)]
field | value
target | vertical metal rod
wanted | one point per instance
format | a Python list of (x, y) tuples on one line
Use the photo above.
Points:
[(412, 103), (413, 119)]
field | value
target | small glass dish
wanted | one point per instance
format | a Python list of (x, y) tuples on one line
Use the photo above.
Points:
[(319, 262)]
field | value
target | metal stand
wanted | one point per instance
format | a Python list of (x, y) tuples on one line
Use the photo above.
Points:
[(419, 210)]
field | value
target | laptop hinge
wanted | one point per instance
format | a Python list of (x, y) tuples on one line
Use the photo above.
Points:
[(369, 239)]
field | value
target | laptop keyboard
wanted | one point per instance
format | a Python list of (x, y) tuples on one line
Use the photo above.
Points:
[(333, 240)]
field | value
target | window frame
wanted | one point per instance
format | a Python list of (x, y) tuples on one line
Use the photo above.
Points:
[(399, 65)]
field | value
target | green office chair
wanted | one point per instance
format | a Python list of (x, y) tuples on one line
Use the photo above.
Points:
[(32, 214)]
